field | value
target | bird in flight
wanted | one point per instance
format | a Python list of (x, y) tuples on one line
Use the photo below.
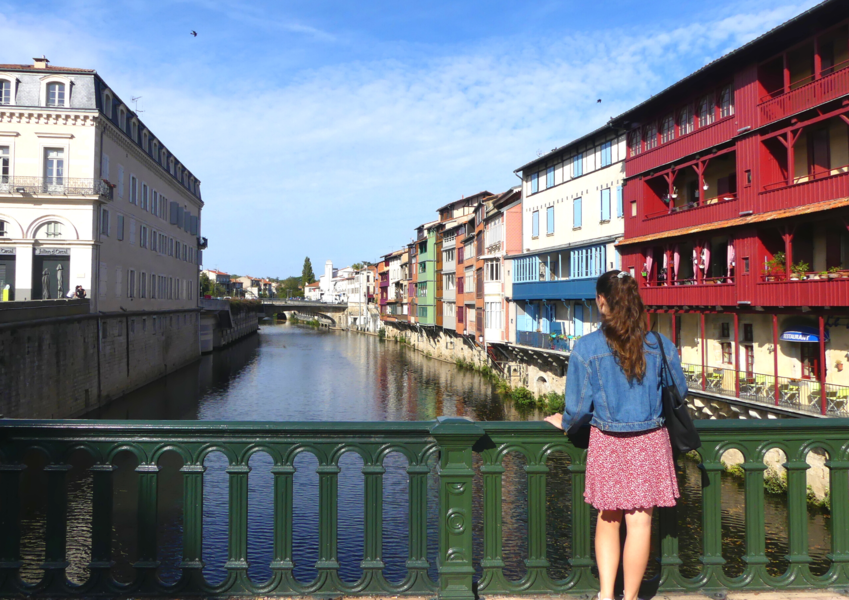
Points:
[(194, 33), (597, 101)]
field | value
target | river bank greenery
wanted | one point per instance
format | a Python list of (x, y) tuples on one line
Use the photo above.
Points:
[(311, 323), (775, 484)]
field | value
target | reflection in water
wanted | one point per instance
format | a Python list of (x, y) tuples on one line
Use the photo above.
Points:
[(289, 373)]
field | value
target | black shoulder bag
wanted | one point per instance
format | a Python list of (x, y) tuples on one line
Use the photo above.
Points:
[(579, 432), (682, 432)]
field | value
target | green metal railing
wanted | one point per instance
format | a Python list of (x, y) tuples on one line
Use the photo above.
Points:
[(458, 445)]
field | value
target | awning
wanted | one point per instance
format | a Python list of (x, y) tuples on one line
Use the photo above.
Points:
[(803, 334)]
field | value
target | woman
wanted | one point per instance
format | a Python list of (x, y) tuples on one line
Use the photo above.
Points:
[(614, 384)]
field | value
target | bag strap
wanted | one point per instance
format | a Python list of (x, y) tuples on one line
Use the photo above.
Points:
[(662, 354)]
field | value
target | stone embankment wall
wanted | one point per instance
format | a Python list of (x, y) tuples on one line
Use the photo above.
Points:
[(439, 343), (64, 367), (243, 324)]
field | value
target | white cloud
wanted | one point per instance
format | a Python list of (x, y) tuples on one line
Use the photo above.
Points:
[(344, 161)]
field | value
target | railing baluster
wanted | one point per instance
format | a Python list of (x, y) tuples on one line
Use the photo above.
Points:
[(839, 493), (55, 559), (492, 562), (101, 523), (712, 520), (147, 562), (284, 476), (192, 563), (797, 508), (417, 564), (536, 562), (670, 561), (328, 525), (755, 558), (10, 524), (237, 543), (372, 563), (582, 577)]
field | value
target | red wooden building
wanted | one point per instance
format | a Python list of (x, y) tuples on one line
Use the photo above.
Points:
[(737, 213)]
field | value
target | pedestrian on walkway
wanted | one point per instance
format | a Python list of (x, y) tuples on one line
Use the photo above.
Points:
[(613, 387)]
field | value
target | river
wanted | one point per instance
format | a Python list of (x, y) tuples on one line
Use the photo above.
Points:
[(295, 373)]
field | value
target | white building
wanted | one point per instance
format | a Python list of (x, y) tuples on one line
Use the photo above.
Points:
[(572, 215), (89, 196), (502, 216)]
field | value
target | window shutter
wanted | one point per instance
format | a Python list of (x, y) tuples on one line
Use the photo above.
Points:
[(132, 231), (577, 212), (605, 204), (620, 207), (549, 220), (535, 224)]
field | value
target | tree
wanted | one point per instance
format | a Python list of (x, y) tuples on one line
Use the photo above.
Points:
[(289, 288), (307, 275), (205, 285), (357, 266)]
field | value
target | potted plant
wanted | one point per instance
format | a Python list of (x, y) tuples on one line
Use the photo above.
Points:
[(799, 270), (833, 272), (775, 267)]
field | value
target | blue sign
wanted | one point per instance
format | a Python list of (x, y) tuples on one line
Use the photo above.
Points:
[(803, 334)]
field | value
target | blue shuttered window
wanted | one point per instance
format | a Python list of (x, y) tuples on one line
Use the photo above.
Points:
[(606, 154), (576, 212), (549, 220), (534, 183), (578, 165), (535, 224), (549, 177), (620, 206), (605, 204)]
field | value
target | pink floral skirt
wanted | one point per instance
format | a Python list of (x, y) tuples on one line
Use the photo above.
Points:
[(626, 471)]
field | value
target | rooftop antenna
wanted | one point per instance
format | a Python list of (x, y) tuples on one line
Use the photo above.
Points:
[(135, 100)]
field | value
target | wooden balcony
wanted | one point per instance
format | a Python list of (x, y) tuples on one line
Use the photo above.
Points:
[(710, 211), (805, 190), (701, 139), (807, 292), (690, 294), (782, 104)]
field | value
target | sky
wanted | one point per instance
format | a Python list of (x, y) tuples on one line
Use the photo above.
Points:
[(331, 129)]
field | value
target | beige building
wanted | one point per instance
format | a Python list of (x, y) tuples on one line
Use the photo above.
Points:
[(90, 197)]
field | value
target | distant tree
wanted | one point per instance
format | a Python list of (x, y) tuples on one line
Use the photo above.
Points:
[(289, 288), (307, 275), (357, 266), (205, 285)]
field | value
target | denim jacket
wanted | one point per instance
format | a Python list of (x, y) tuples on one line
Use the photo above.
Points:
[(598, 392)]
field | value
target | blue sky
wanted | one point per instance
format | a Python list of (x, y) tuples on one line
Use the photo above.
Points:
[(331, 129)]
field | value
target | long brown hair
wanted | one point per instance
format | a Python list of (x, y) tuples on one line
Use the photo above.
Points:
[(625, 324)]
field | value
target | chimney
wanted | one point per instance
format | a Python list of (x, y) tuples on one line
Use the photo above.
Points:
[(40, 63)]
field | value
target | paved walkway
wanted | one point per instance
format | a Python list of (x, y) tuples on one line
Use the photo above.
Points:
[(788, 595)]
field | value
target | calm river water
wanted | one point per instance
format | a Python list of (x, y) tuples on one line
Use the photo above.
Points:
[(291, 373)]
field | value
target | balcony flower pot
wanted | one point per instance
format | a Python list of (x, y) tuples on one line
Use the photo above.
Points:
[(794, 278)]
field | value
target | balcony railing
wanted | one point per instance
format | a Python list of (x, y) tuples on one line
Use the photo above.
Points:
[(544, 341), (451, 505), (807, 189), (780, 104), (798, 394), (672, 210), (55, 186)]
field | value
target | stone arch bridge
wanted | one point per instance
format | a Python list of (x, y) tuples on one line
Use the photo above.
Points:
[(335, 314)]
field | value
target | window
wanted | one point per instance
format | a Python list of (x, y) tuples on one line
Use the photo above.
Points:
[(423, 267), (122, 119), (620, 206), (154, 202), (170, 165), (131, 284), (492, 270), (145, 144), (55, 94), (134, 128), (185, 252), (493, 318), (577, 215), (549, 177), (119, 226), (107, 104), (143, 236), (52, 230), (104, 166), (54, 166), (685, 120), (134, 189), (153, 236), (447, 256), (587, 262), (5, 91), (748, 332), (635, 142), (170, 246), (460, 314), (468, 250), (650, 136), (177, 249), (449, 309), (549, 220), (104, 222), (144, 197), (155, 151), (606, 154), (578, 165), (633, 208), (535, 224), (534, 183), (143, 285), (667, 129), (4, 229), (605, 204), (726, 353), (726, 102), (706, 110), (4, 164), (448, 281), (726, 330), (460, 285)]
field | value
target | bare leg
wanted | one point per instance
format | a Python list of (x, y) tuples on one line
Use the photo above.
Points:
[(607, 549), (637, 549)]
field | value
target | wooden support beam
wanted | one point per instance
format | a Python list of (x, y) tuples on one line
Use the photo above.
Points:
[(821, 374), (775, 354), (702, 344), (737, 354)]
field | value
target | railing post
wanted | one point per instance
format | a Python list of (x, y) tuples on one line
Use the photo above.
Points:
[(797, 509), (192, 563), (328, 522), (10, 524), (237, 542), (581, 561), (147, 517), (455, 438), (55, 560), (284, 476), (712, 518), (755, 557), (537, 562), (492, 562), (372, 563), (417, 564), (101, 522), (839, 492), (670, 561)]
